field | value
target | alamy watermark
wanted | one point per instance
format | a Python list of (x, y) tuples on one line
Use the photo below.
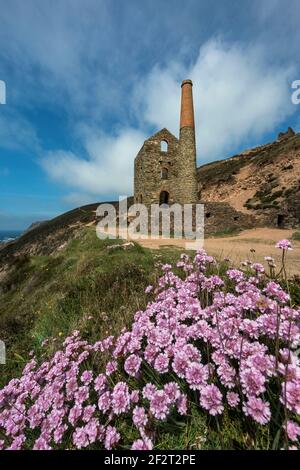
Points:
[(296, 94), (154, 222), (2, 92), (2, 352)]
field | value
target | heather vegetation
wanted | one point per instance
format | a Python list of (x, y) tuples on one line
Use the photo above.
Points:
[(157, 350)]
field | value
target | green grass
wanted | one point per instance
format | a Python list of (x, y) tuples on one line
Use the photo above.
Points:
[(296, 236), (228, 232), (84, 286)]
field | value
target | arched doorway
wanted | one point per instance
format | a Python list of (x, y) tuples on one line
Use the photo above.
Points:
[(164, 198), (280, 221)]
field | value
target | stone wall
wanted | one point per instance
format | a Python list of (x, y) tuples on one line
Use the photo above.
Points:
[(148, 167), (187, 186), (221, 217)]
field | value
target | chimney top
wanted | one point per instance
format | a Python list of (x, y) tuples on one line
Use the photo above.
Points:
[(184, 82)]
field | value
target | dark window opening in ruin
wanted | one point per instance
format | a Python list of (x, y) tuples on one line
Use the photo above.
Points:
[(207, 215), (164, 198), (164, 146), (140, 199), (280, 220), (236, 217), (164, 173)]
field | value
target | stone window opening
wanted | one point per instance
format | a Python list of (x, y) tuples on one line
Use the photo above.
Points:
[(164, 173), (164, 198), (207, 215), (164, 146), (236, 217), (140, 199)]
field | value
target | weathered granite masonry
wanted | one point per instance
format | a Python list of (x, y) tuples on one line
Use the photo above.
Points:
[(155, 170), (221, 217), (165, 167)]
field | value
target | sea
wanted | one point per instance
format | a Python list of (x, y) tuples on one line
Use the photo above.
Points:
[(8, 235)]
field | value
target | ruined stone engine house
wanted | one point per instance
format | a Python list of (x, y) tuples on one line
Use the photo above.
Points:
[(165, 169)]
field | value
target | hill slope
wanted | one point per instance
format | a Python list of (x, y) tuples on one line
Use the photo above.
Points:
[(263, 182)]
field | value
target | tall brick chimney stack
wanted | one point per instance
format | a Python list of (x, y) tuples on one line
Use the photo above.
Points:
[(187, 106), (187, 170)]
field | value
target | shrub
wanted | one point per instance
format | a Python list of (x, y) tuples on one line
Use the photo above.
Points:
[(296, 236)]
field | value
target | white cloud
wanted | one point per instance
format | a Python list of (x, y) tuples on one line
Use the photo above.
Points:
[(238, 97), (108, 168)]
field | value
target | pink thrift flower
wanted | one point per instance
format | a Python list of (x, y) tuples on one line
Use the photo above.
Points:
[(111, 367), (182, 404), (161, 363), (258, 410), (100, 383), (159, 404), (211, 399), (253, 382), (233, 399), (81, 395), (87, 377), (88, 413), (17, 443), (180, 364), (104, 402), (139, 417), (172, 390), (196, 375), (80, 438), (74, 414), (132, 365), (291, 395), (112, 437), (120, 398), (41, 444), (284, 245), (142, 444), (292, 430), (148, 391)]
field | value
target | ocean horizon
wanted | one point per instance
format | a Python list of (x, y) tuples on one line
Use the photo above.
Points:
[(6, 235)]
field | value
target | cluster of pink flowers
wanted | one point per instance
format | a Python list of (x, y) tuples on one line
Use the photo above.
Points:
[(196, 339)]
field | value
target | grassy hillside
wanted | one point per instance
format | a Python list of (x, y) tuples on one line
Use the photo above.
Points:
[(82, 286)]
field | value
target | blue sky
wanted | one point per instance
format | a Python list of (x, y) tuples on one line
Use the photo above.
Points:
[(88, 80)]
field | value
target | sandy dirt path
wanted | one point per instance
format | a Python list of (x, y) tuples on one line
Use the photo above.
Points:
[(238, 247)]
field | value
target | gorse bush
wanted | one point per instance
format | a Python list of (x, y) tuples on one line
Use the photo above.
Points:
[(223, 344)]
